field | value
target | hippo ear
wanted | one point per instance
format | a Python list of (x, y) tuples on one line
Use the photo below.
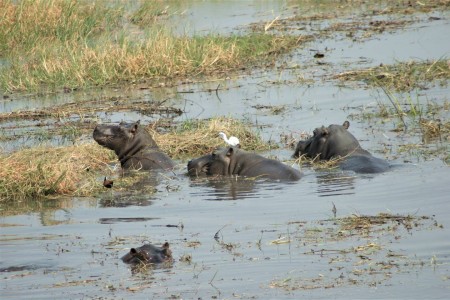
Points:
[(166, 245), (135, 127), (133, 251), (230, 151), (346, 124), (325, 132)]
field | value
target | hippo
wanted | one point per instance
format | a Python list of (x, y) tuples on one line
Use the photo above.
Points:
[(235, 161), (336, 141), (133, 145), (148, 254)]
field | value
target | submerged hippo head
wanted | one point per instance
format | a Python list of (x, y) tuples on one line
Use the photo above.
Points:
[(199, 166), (133, 145), (234, 161), (148, 254), (329, 142)]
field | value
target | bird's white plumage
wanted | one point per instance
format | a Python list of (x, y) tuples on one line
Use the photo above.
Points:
[(232, 141)]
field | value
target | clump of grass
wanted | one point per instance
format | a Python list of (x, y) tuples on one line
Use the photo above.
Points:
[(198, 137), (49, 171), (318, 164), (401, 77), (368, 223), (433, 129)]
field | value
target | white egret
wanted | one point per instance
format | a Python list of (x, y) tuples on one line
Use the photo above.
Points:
[(233, 141)]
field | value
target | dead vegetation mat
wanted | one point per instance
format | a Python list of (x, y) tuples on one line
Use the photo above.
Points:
[(356, 249)]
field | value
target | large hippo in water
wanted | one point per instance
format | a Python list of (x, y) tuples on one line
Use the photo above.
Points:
[(336, 141), (234, 161), (148, 254), (133, 145)]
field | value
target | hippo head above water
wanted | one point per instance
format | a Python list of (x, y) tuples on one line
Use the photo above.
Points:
[(133, 145), (234, 161), (148, 254), (329, 142), (336, 141)]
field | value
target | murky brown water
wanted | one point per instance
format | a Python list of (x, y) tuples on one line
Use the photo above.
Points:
[(71, 248)]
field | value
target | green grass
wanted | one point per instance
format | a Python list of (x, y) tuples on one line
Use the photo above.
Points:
[(55, 44)]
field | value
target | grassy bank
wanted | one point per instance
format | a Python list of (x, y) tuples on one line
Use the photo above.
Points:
[(56, 44), (75, 170)]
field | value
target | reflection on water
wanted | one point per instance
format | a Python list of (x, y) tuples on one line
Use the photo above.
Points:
[(20, 268), (331, 183), (52, 218), (51, 212), (118, 220), (125, 199), (235, 188), (140, 193)]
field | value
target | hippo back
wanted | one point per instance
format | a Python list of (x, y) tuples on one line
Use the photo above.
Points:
[(234, 161), (364, 164)]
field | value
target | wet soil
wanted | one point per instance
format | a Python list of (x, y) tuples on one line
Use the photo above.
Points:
[(332, 234)]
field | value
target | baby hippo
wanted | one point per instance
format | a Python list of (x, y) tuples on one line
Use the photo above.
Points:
[(148, 254)]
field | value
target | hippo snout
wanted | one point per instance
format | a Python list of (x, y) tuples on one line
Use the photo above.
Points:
[(197, 167), (98, 135)]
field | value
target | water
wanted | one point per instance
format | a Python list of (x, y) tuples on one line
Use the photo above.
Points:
[(71, 248)]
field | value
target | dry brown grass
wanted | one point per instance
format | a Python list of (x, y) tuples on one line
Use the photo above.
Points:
[(195, 138), (435, 129), (47, 171), (318, 164)]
